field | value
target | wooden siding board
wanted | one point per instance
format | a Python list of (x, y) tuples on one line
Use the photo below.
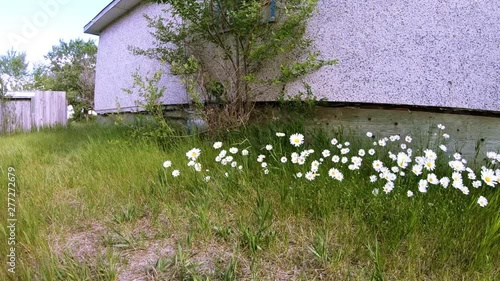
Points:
[(26, 113), (466, 131)]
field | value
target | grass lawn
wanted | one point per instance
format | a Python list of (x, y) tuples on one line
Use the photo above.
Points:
[(93, 203)]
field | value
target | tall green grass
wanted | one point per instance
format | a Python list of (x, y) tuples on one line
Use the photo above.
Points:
[(97, 184)]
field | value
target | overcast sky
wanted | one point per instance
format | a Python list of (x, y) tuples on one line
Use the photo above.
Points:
[(34, 26)]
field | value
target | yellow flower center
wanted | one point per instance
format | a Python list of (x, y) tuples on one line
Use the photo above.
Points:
[(487, 179)]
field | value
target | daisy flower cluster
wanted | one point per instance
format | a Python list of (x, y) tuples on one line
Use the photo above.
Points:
[(423, 167), (389, 163)]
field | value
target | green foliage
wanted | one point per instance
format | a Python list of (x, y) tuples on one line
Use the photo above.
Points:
[(71, 69), (158, 127), (260, 234), (320, 247), (302, 102), (297, 69), (230, 42), (13, 71)]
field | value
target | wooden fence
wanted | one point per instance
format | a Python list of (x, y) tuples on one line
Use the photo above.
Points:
[(25, 111)]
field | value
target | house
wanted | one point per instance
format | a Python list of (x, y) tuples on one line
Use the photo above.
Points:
[(119, 25), (424, 53)]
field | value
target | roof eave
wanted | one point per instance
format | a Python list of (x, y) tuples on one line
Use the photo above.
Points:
[(109, 14)]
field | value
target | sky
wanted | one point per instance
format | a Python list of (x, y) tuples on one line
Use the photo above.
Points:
[(34, 26)]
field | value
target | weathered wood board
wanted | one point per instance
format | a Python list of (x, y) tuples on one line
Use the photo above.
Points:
[(30, 110), (469, 134)]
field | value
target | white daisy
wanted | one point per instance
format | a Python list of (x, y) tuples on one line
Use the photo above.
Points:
[(445, 181), (388, 187), (457, 166), (325, 153), (333, 172), (167, 164), (335, 159), (429, 154), (193, 154), (197, 167), (301, 160), (297, 139), (422, 186), (482, 201), (489, 177), (356, 160), (429, 164), (222, 153), (310, 176), (432, 179), (377, 165)]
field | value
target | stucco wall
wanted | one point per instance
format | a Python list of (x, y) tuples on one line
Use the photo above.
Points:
[(422, 52), (115, 63)]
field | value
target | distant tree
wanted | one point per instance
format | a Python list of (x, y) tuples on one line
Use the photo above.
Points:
[(42, 78), (14, 75), (71, 69), (3, 88)]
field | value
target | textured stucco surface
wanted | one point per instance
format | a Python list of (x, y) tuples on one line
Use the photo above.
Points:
[(115, 63), (422, 52)]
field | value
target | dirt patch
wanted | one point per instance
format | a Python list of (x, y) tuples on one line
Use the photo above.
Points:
[(83, 244), (207, 255), (137, 262)]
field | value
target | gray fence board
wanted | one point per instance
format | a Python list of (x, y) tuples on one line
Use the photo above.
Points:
[(30, 110)]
